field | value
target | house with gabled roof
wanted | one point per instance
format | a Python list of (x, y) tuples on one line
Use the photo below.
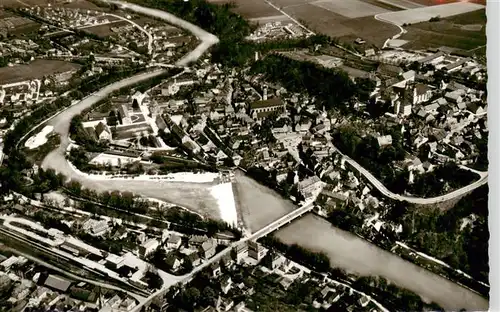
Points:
[(103, 132), (173, 262), (194, 258), (174, 241), (207, 249)]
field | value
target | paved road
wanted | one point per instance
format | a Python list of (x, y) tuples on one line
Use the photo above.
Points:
[(417, 200), (271, 227)]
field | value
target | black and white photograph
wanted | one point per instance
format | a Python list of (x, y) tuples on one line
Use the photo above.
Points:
[(248, 155)]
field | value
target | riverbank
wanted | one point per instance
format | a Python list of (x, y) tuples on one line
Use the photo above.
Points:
[(181, 177), (357, 256)]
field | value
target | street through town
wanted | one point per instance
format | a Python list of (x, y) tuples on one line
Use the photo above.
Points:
[(197, 195)]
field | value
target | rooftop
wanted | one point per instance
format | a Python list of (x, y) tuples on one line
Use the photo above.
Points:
[(57, 282), (272, 102)]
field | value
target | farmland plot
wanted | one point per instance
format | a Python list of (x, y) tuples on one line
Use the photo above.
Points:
[(426, 13), (250, 9), (35, 70), (402, 4), (464, 32), (438, 2), (351, 8)]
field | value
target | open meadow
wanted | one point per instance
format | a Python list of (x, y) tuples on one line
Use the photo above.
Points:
[(466, 32), (350, 9), (76, 4), (438, 2), (424, 14), (402, 4), (37, 69), (346, 20), (336, 22), (251, 9), (16, 25), (105, 30)]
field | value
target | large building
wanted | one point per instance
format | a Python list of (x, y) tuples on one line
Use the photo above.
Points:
[(57, 282), (256, 251), (148, 247), (265, 107), (18, 92)]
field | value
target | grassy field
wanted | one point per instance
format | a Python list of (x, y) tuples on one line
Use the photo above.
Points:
[(423, 14), (17, 25), (449, 32), (37, 69), (350, 9), (347, 29), (105, 30), (347, 20), (401, 4), (251, 9)]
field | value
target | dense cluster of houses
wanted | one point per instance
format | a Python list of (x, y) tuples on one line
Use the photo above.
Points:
[(29, 287), (264, 263), (277, 30), (242, 120)]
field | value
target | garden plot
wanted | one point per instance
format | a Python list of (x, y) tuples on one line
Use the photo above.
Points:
[(426, 13), (351, 8)]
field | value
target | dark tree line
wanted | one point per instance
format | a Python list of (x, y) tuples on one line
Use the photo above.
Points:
[(317, 260), (441, 235), (332, 88)]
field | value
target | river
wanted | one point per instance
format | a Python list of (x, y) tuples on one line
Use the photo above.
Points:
[(356, 255), (195, 196), (258, 205), (261, 206)]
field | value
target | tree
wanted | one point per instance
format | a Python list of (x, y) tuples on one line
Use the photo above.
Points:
[(153, 279), (187, 265), (74, 187), (208, 297), (135, 105), (414, 66), (190, 297)]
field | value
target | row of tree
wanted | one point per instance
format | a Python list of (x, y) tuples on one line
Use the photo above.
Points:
[(387, 293)]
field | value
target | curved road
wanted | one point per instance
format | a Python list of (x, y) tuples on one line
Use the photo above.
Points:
[(401, 29), (417, 200)]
